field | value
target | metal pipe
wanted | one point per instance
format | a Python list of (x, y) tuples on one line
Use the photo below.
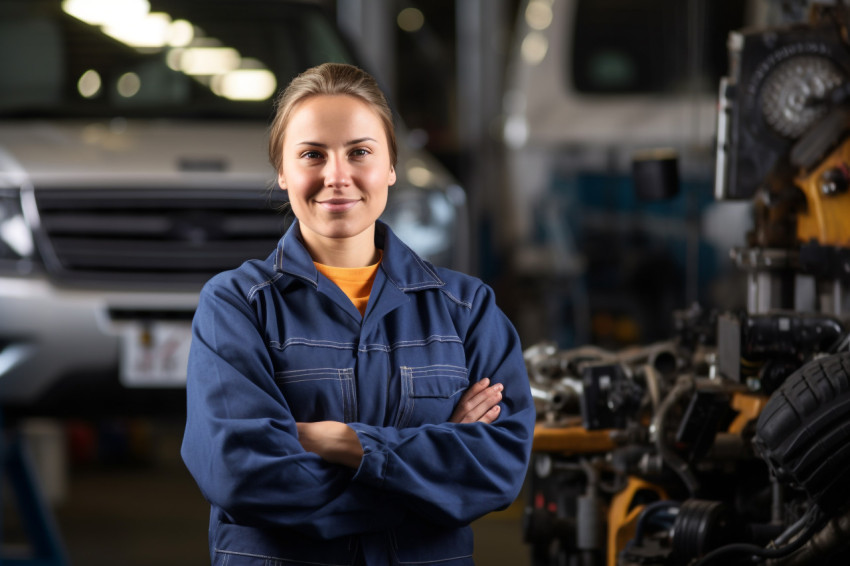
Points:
[(684, 385), (834, 536)]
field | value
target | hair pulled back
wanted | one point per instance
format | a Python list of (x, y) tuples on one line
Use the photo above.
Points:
[(329, 79)]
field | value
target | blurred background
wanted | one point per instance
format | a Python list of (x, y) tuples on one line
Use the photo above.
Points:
[(133, 167)]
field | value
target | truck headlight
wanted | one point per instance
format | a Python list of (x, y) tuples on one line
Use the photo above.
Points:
[(17, 248), (427, 220)]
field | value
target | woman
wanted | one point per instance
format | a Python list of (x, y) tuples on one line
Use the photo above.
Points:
[(348, 403)]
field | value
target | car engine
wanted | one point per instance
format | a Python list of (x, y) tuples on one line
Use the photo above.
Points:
[(729, 442)]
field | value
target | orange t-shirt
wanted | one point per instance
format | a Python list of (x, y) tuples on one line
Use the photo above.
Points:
[(355, 282)]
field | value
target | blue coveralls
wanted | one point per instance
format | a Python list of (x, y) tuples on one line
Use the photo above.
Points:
[(275, 343)]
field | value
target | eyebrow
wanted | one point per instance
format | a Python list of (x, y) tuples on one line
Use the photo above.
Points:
[(348, 143)]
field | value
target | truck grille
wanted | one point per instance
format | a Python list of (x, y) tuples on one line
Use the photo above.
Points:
[(170, 237)]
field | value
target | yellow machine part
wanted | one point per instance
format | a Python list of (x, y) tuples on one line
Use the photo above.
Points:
[(827, 220), (571, 440), (749, 407), (623, 515)]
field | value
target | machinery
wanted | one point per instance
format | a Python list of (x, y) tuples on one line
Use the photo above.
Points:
[(729, 442)]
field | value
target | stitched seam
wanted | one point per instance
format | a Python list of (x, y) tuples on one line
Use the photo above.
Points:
[(349, 391), (462, 303), (275, 558), (406, 390), (428, 269), (279, 257), (423, 285), (438, 369), (432, 338), (437, 282), (365, 348), (436, 561), (311, 371), (425, 342), (411, 343), (340, 379), (411, 396), (280, 267), (253, 290), (307, 342), (395, 554), (309, 380), (422, 374), (444, 371)]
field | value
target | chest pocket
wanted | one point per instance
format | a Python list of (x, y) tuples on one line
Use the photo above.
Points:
[(430, 393), (319, 394)]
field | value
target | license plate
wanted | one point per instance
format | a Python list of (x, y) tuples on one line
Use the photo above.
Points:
[(155, 354)]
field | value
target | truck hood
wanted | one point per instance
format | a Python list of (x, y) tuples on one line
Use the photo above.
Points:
[(75, 152)]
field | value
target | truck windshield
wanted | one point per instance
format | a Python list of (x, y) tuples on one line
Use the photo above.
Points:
[(651, 46), (156, 58)]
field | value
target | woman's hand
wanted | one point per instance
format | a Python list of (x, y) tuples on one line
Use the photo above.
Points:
[(335, 442), (480, 403)]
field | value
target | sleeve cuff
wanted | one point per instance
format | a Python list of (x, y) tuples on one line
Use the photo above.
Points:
[(373, 466)]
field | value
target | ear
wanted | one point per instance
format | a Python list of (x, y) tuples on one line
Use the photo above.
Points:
[(392, 178), (281, 181)]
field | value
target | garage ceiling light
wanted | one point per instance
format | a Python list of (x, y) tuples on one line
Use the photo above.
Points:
[(245, 84), (150, 31), (106, 12), (203, 58)]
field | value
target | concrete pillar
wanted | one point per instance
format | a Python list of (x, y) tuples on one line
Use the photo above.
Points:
[(482, 27), (370, 26)]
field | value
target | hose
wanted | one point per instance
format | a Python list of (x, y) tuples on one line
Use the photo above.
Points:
[(684, 385), (812, 516), (652, 384)]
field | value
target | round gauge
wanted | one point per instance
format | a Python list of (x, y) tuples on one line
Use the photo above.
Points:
[(793, 94)]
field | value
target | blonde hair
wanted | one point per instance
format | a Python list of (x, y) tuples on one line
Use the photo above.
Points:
[(329, 79)]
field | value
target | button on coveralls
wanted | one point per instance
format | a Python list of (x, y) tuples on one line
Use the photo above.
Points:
[(275, 343)]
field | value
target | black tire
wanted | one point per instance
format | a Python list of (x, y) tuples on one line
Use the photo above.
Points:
[(804, 431)]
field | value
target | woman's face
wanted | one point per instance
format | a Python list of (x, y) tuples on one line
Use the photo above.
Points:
[(336, 168)]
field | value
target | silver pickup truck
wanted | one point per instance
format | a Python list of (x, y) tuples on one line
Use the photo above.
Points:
[(133, 167)]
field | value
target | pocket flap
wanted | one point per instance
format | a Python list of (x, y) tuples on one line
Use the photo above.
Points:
[(439, 381)]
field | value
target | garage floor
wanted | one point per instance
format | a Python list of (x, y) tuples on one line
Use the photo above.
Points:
[(138, 505)]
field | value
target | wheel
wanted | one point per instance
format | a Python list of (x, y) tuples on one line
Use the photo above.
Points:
[(804, 431)]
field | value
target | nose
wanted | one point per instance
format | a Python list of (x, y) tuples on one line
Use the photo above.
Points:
[(337, 172)]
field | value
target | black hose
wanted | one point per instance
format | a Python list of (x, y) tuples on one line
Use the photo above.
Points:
[(792, 530), (683, 386), (814, 517)]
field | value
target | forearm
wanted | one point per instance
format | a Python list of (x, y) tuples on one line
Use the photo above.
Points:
[(450, 473), (337, 443), (241, 441), (257, 476), (334, 442)]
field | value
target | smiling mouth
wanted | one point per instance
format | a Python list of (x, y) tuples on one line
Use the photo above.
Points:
[(338, 204)]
